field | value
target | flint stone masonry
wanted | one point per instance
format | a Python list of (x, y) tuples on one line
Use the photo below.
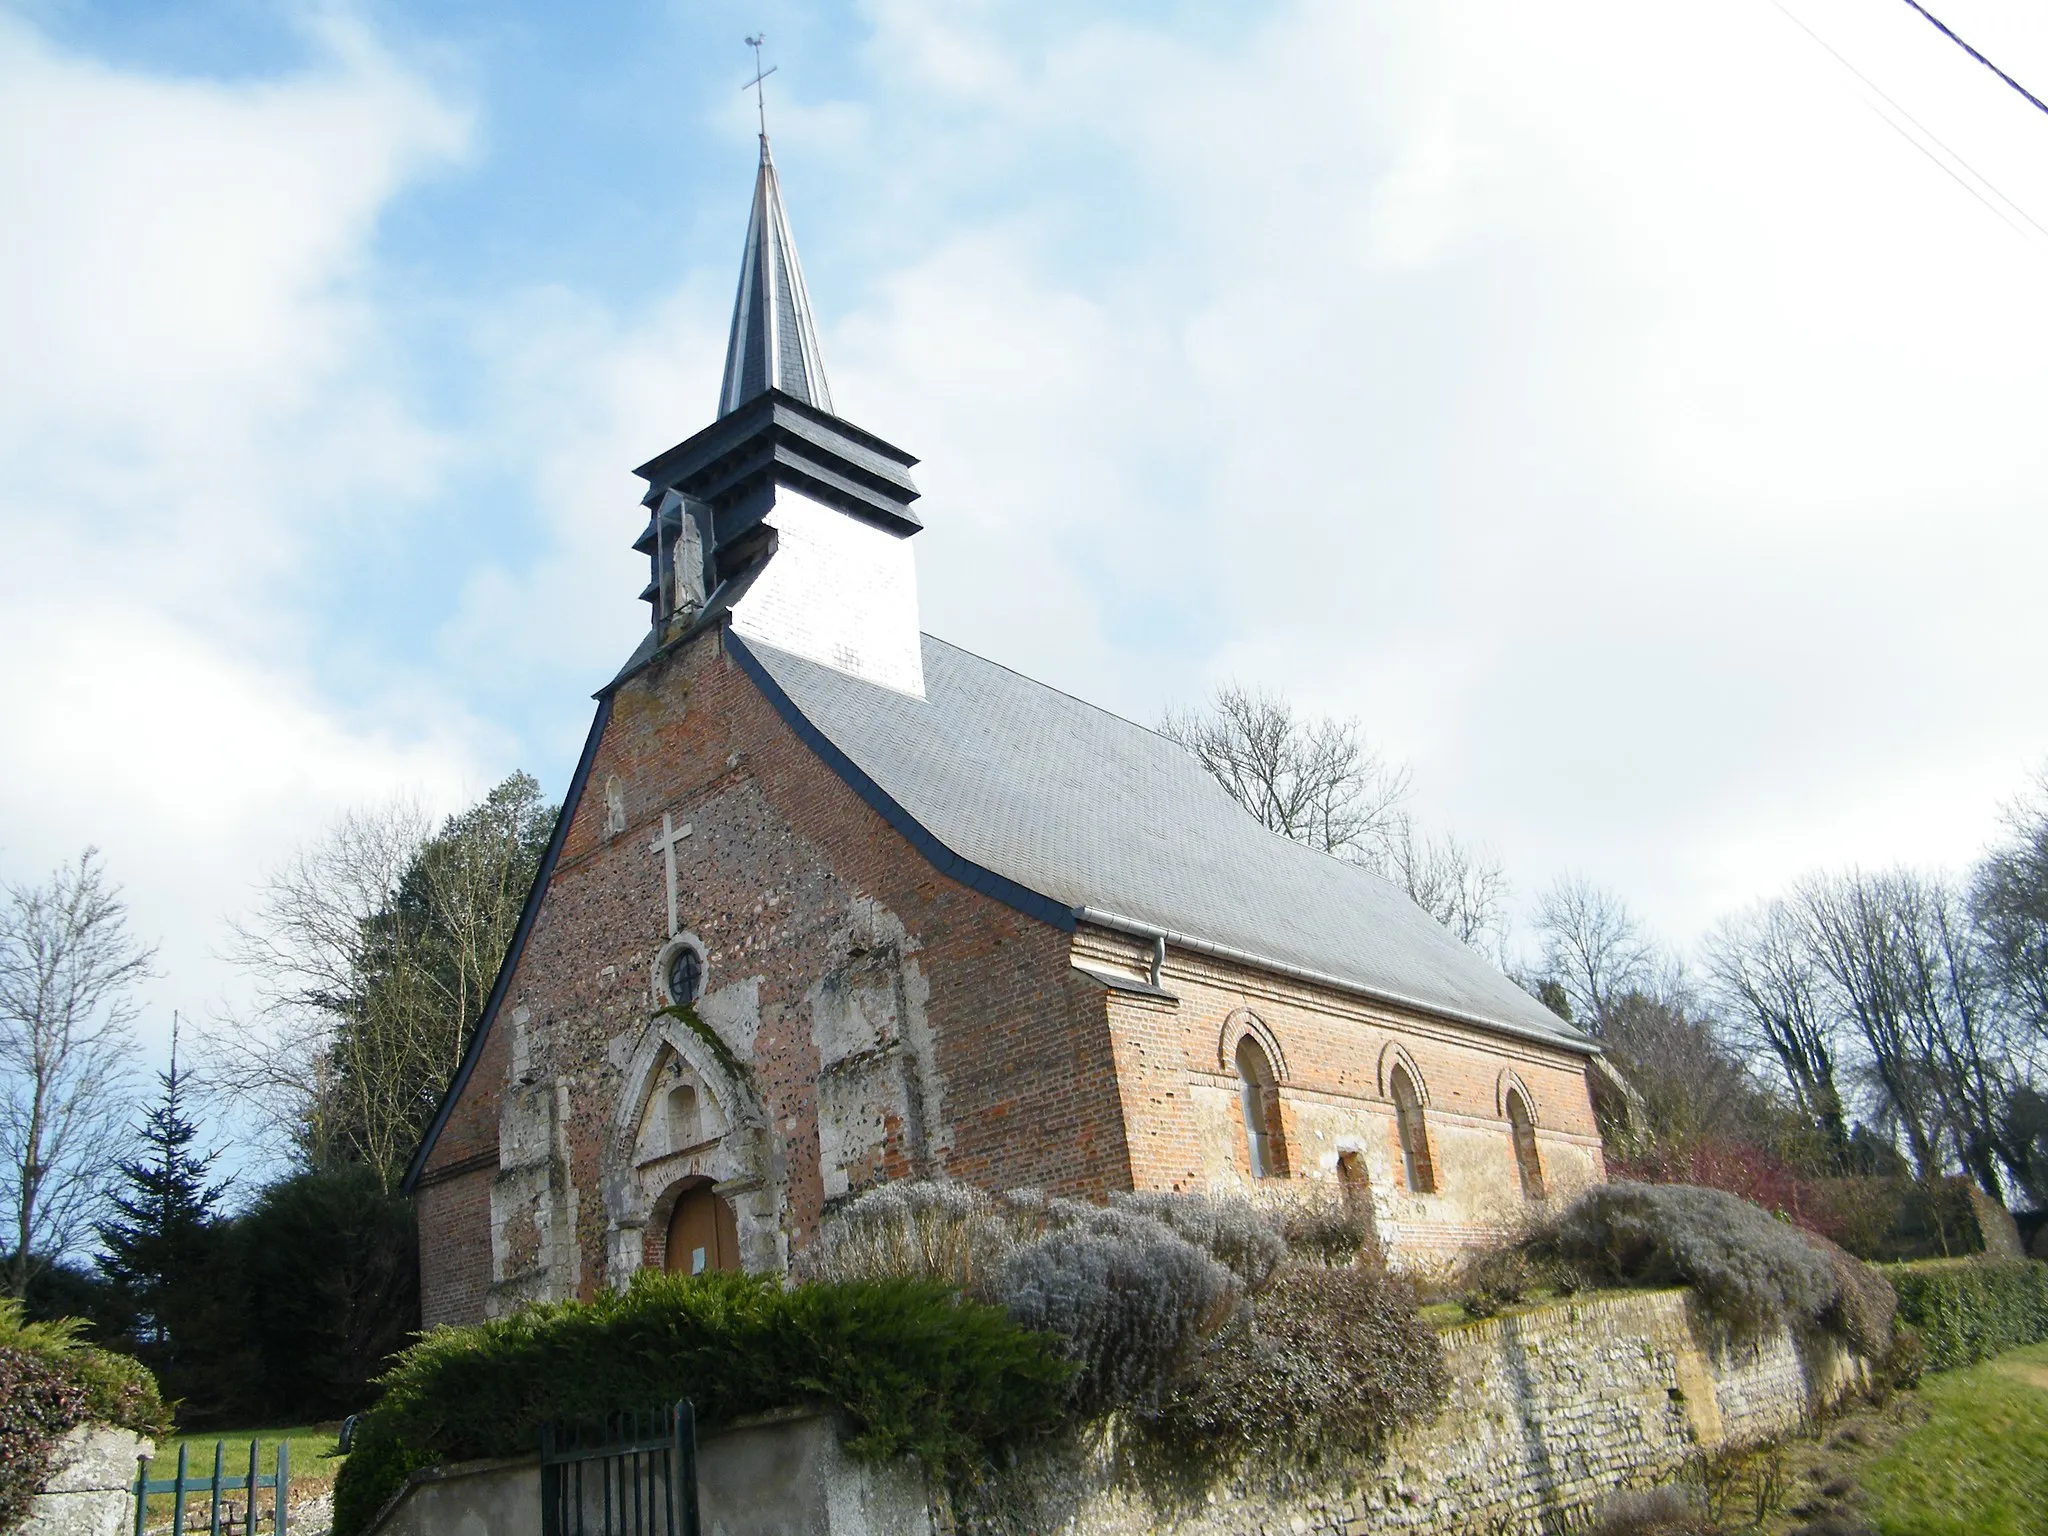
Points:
[(1550, 1412), (89, 1492)]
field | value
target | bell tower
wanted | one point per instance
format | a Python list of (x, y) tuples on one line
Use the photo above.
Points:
[(781, 514)]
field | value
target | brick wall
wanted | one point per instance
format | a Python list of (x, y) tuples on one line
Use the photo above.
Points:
[(455, 1266), (1332, 1051)]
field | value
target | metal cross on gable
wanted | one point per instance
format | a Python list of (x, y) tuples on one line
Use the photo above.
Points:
[(665, 845), (760, 74)]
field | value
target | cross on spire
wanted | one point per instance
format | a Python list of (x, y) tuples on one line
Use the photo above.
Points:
[(754, 85)]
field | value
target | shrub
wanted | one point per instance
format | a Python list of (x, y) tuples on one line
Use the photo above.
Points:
[(39, 1401), (1875, 1217), (1748, 1271), (914, 1368), (50, 1382), (1129, 1290), (1494, 1279), (1129, 1299), (332, 1272), (1970, 1309), (923, 1230), (119, 1390), (1903, 1363), (1322, 1367), (1862, 1312), (1319, 1228), (1652, 1512), (1231, 1231)]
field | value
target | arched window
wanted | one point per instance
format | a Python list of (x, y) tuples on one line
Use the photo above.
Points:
[(1523, 1129), (1415, 1163), (702, 1234), (1259, 1096)]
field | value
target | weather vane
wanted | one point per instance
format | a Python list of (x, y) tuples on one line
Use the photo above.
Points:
[(760, 74)]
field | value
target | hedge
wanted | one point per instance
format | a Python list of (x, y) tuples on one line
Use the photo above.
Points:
[(1967, 1310), (913, 1368)]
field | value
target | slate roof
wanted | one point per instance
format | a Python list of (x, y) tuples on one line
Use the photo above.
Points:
[(1099, 818), (774, 341)]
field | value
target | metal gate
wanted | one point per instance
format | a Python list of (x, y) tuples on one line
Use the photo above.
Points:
[(219, 1493), (636, 1476)]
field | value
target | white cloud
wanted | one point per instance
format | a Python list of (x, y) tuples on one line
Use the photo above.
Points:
[(1599, 400), (192, 417)]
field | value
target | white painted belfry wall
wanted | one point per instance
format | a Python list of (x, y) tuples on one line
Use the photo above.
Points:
[(839, 591)]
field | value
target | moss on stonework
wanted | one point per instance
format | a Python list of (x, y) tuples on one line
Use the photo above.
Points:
[(713, 1042)]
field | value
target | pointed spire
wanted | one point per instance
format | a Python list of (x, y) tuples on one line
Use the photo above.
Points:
[(774, 341)]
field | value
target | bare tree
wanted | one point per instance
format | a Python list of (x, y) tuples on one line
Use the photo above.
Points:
[(374, 952), (1314, 780), (1692, 1084), (318, 1082), (1903, 967), (1461, 886), (68, 965), (1318, 782), (1594, 950), (2009, 902), (1769, 984)]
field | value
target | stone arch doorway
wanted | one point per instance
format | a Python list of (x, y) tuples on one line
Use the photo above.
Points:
[(703, 1234)]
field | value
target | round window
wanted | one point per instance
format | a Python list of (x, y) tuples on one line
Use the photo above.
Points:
[(685, 974)]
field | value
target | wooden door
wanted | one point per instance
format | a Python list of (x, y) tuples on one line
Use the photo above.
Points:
[(701, 1234)]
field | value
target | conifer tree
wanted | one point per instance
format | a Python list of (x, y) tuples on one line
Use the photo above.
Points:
[(163, 1247)]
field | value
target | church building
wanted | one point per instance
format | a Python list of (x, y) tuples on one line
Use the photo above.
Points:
[(832, 902)]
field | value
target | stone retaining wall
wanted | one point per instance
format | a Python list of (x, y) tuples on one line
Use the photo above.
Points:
[(781, 1475), (1550, 1411), (90, 1490)]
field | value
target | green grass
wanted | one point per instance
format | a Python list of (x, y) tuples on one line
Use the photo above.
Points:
[(310, 1444), (1979, 1465), (311, 1466)]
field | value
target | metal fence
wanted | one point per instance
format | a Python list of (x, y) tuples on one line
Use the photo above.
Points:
[(634, 1476), (210, 1503)]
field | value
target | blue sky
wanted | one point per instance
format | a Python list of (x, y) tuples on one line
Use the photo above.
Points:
[(1610, 405)]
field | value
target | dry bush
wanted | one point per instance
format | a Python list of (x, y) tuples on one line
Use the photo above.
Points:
[(1322, 1368), (1652, 1512), (922, 1230), (1748, 1271), (1130, 1297), (1131, 1300), (1864, 1305), (1494, 1279), (1230, 1230), (1320, 1228)]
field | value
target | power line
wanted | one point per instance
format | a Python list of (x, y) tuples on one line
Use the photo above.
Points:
[(1950, 33), (1946, 169)]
